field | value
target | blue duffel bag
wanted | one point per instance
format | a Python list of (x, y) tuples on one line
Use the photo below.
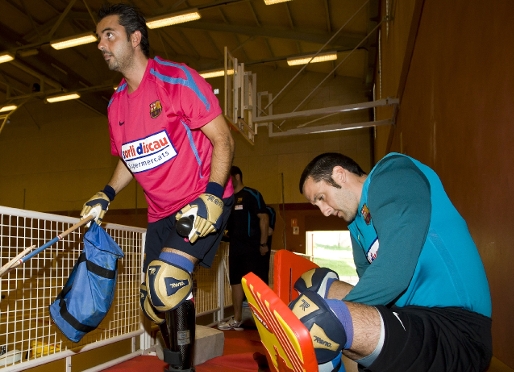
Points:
[(89, 291)]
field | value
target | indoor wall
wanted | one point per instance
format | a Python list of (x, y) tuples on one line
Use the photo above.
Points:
[(455, 115)]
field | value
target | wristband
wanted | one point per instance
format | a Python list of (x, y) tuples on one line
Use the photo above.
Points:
[(264, 244), (215, 189), (109, 191)]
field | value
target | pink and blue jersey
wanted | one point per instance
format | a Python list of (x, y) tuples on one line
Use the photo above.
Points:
[(156, 131)]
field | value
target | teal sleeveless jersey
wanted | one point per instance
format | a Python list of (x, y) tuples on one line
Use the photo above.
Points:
[(445, 269)]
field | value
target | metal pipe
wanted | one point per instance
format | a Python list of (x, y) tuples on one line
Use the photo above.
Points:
[(330, 128), (328, 110)]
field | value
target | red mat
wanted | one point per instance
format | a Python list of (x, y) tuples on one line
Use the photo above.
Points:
[(237, 353), (140, 363), (237, 356)]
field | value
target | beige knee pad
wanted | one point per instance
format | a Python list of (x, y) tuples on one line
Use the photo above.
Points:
[(146, 306), (168, 285)]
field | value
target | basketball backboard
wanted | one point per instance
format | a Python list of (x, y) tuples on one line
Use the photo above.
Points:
[(240, 92)]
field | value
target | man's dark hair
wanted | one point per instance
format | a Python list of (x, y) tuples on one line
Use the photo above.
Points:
[(235, 170), (131, 19), (321, 167)]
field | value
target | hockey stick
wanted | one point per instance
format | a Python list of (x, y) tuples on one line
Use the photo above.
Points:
[(25, 255), (8, 266)]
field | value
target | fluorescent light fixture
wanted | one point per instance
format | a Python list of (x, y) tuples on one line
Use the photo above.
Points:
[(215, 73), (173, 19), (8, 108), (63, 97), (271, 2), (6, 57), (73, 41), (322, 57)]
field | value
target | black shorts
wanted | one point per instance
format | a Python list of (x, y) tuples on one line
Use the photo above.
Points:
[(162, 234), (440, 339), (239, 266), (244, 257)]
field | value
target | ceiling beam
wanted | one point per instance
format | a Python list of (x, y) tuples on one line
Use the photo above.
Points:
[(347, 40), (327, 15), (289, 17)]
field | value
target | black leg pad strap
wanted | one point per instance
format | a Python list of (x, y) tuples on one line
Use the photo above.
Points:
[(171, 369), (172, 357)]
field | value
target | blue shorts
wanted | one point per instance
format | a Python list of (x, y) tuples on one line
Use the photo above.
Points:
[(162, 234)]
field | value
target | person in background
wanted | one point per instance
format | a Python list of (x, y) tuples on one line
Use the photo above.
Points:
[(247, 232), (167, 128), (422, 303), (264, 261)]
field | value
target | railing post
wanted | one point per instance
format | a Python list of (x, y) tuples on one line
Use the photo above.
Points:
[(221, 284)]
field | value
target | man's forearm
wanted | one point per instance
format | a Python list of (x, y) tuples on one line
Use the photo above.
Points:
[(339, 289), (221, 162), (121, 177), (264, 225), (219, 134)]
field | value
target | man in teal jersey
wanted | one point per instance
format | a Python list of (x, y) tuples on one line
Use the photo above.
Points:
[(422, 302)]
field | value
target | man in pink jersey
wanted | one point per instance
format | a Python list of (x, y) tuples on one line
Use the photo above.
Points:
[(168, 130)]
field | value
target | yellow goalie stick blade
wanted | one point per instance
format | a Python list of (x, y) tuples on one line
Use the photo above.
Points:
[(39, 349), (286, 340)]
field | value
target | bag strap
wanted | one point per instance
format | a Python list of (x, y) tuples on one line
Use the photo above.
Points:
[(91, 267), (97, 269), (72, 321)]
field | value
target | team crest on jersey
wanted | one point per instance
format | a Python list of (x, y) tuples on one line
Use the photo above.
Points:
[(155, 109), (365, 214)]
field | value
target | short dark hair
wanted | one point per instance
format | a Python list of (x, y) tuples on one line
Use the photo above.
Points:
[(321, 167), (131, 19), (235, 170)]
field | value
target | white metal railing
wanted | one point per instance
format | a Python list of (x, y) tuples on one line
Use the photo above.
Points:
[(27, 335), (28, 338)]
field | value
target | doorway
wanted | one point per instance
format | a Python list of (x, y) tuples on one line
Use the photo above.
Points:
[(333, 249)]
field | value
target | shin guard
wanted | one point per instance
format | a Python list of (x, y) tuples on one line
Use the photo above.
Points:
[(181, 323)]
